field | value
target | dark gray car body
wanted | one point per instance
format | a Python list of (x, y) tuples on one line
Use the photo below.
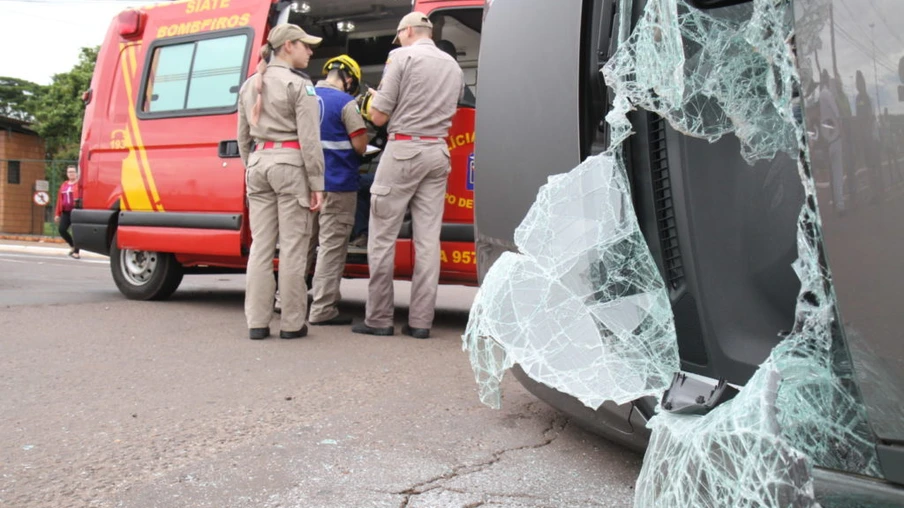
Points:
[(722, 232), (860, 48)]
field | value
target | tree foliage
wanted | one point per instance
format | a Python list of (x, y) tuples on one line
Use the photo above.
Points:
[(58, 110), (17, 98)]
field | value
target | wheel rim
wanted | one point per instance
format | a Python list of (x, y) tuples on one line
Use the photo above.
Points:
[(138, 266)]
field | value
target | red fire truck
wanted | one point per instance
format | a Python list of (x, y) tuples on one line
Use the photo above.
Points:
[(162, 185)]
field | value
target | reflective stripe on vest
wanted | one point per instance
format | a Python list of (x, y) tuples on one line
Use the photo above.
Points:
[(341, 161), (337, 145)]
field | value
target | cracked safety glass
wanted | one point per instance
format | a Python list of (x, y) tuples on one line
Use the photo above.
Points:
[(582, 307)]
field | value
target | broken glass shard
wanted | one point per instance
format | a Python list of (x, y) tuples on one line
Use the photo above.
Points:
[(582, 307)]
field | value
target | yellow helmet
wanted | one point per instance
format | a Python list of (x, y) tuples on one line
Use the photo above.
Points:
[(349, 66)]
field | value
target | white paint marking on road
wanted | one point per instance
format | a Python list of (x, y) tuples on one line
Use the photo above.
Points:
[(7, 257), (61, 252), (18, 261)]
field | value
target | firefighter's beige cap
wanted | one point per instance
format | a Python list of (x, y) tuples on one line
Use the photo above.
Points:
[(412, 19), (288, 32)]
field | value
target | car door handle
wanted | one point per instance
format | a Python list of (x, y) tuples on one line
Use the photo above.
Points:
[(228, 149)]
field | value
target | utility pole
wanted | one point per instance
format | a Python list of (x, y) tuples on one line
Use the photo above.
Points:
[(872, 33), (832, 34)]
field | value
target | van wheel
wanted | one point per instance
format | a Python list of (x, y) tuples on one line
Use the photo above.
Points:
[(144, 275)]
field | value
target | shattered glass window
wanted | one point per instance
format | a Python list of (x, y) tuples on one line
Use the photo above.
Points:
[(582, 308)]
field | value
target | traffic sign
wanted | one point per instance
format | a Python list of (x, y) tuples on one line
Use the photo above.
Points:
[(41, 198)]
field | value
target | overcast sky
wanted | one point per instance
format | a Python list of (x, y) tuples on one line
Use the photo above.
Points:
[(857, 42), (40, 38)]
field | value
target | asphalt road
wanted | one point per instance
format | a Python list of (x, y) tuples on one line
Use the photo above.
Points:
[(106, 402)]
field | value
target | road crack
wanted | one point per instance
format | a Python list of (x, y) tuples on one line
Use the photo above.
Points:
[(550, 434)]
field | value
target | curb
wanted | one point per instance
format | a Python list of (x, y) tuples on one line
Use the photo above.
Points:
[(32, 238), (46, 251)]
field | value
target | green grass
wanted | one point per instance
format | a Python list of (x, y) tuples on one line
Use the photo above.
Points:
[(50, 229)]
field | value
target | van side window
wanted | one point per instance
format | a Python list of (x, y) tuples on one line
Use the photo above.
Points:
[(196, 75)]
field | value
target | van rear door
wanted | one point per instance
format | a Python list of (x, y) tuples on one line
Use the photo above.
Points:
[(185, 182)]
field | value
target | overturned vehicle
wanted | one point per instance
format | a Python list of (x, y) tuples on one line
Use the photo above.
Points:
[(716, 279)]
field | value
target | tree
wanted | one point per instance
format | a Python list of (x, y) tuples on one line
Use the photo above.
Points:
[(59, 110), (18, 97)]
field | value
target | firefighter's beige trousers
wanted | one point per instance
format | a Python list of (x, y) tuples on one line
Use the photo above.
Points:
[(278, 207), (332, 228), (411, 174)]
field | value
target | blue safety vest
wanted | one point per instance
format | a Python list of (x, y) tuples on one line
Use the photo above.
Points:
[(341, 171)]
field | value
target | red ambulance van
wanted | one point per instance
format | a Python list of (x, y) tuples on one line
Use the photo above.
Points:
[(162, 184)]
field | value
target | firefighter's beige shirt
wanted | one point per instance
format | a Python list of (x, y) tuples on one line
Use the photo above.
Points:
[(420, 90), (290, 111)]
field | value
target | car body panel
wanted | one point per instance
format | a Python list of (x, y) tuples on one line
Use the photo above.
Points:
[(855, 52)]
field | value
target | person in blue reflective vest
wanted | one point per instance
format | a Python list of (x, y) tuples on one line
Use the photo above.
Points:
[(344, 139)]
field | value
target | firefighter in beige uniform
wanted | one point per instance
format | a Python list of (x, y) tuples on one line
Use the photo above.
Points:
[(344, 138), (279, 141), (418, 96)]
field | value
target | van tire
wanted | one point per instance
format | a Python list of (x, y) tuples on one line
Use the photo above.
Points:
[(144, 275)]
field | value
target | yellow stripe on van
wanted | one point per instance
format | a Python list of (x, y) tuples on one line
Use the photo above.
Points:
[(132, 183), (144, 165), (136, 194), (134, 61)]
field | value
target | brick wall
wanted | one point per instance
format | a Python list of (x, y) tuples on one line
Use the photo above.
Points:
[(18, 213)]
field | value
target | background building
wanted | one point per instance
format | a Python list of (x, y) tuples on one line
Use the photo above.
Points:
[(21, 165)]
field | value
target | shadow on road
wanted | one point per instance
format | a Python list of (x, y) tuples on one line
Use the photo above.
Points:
[(209, 297), (234, 299)]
